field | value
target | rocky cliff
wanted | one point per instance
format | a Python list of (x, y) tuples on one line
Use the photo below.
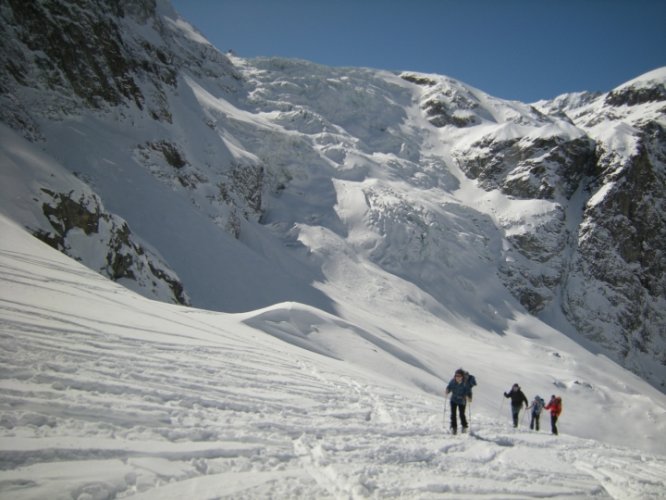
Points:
[(616, 284)]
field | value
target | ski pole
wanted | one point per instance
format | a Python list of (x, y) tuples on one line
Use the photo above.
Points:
[(499, 412), (470, 413), (444, 412)]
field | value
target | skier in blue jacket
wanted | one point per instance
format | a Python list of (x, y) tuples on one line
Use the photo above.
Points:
[(537, 405), (460, 394)]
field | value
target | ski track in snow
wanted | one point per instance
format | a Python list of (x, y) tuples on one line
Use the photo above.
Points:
[(108, 395)]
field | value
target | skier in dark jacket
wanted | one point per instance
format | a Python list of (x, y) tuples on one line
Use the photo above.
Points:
[(460, 394), (517, 400)]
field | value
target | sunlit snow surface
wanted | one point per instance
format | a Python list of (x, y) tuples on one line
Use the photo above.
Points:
[(107, 394), (371, 278)]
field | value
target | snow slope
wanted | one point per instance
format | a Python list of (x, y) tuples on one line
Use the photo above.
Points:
[(106, 394), (327, 212)]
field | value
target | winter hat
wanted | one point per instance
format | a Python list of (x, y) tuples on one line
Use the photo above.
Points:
[(460, 371)]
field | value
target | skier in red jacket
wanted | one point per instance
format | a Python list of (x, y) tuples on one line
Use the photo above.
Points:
[(555, 408)]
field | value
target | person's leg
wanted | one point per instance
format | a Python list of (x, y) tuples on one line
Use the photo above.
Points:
[(463, 418), (536, 420), (514, 412), (555, 424), (454, 422)]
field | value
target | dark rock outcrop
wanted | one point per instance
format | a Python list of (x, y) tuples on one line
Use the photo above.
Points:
[(82, 229)]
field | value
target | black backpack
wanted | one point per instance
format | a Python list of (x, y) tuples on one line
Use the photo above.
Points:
[(469, 380)]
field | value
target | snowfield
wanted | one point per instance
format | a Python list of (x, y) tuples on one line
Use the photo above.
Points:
[(106, 394), (341, 261)]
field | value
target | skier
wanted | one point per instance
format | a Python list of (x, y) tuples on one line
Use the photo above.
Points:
[(517, 399), (537, 405), (460, 394), (555, 408)]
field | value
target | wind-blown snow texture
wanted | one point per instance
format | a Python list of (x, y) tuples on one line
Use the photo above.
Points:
[(364, 232)]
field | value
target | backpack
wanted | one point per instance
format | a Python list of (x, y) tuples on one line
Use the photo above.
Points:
[(539, 403), (469, 380), (558, 400)]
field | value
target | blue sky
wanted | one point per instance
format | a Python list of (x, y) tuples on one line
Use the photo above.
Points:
[(514, 49)]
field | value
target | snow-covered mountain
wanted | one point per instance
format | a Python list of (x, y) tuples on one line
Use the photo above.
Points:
[(401, 223), (210, 178)]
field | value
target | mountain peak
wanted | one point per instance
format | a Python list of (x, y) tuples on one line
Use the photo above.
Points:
[(652, 78), (647, 88)]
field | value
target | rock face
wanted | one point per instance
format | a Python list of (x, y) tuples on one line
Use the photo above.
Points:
[(243, 154), (65, 213), (99, 54), (524, 167), (621, 251), (597, 254), (65, 59), (83, 230), (600, 252), (621, 236)]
